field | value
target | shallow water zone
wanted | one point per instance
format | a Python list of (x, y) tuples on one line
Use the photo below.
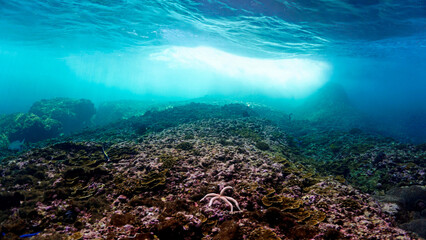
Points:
[(224, 119)]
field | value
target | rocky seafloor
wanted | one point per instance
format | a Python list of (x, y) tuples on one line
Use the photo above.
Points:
[(151, 182)]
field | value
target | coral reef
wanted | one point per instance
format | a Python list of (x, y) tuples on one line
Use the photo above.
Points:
[(369, 162), (109, 112), (408, 206), (73, 114), (28, 126), (151, 189), (144, 178)]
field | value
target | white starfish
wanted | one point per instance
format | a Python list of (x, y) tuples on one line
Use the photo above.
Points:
[(221, 196)]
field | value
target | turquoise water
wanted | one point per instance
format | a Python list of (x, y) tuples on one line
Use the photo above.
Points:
[(174, 50)]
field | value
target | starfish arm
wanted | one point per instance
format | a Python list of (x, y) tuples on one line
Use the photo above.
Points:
[(235, 202), (227, 202), (212, 200), (209, 195), (224, 189)]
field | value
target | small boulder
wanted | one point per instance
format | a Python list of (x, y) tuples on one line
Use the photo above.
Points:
[(73, 114), (28, 127)]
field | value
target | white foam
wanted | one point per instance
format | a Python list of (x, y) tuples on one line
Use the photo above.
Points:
[(294, 77)]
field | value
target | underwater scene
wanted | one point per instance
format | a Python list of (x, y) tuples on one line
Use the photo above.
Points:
[(212, 119)]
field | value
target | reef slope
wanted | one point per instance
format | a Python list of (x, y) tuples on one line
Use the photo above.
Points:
[(151, 189)]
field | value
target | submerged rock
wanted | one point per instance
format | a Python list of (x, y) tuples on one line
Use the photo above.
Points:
[(408, 206), (28, 127), (418, 226), (4, 141), (73, 114), (109, 112)]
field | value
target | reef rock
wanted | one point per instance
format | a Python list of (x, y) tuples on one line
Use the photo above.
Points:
[(28, 126), (328, 102), (73, 114), (410, 210), (109, 112)]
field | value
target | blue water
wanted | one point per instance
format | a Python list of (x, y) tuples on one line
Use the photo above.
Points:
[(107, 50)]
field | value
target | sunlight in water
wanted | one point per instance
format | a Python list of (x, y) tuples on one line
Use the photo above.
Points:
[(195, 72), (281, 77)]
